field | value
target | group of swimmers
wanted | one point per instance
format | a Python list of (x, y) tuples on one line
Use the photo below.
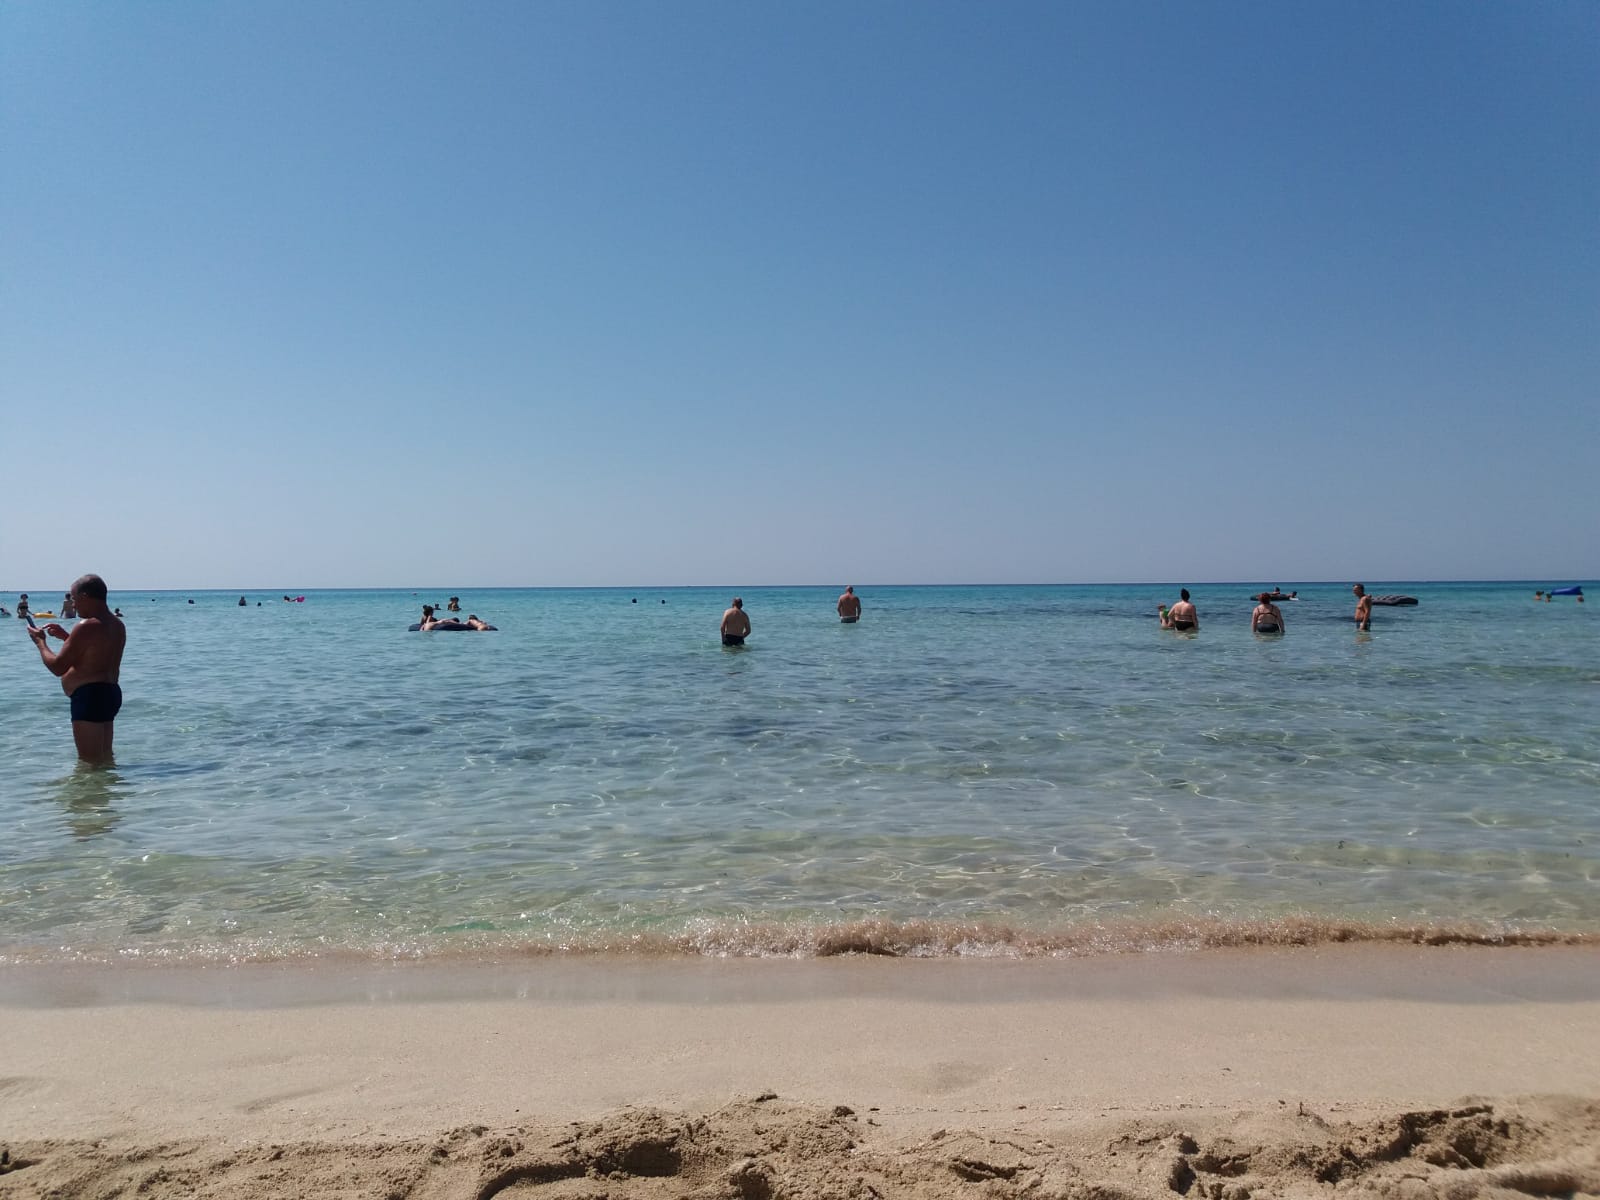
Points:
[(69, 608), (431, 619), (1265, 618), (736, 622)]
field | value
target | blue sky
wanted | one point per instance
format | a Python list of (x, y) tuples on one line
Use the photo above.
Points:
[(299, 295)]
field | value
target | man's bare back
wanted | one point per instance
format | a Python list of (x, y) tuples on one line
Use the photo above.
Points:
[(849, 605), (735, 624)]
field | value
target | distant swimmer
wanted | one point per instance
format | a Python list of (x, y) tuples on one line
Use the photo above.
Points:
[(69, 608), (1266, 618), (849, 606), (483, 626), (89, 666), (243, 603), (23, 611), (1182, 615), (454, 605), (1363, 608), (735, 624)]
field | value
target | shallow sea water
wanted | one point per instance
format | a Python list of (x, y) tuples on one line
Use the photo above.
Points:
[(968, 770)]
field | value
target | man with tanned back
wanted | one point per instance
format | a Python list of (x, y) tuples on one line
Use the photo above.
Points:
[(735, 624), (89, 665), (849, 606), (1363, 608)]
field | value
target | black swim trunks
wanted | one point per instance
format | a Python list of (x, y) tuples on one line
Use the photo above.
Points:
[(732, 639), (96, 702), (1268, 629), (1183, 624), (848, 620)]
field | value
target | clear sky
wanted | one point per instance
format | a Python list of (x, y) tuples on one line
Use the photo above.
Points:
[(581, 293)]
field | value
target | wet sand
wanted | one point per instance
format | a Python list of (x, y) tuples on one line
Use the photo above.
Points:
[(1450, 1068)]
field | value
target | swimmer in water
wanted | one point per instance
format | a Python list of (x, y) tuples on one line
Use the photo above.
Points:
[(735, 624), (89, 666), (1266, 618), (1182, 615), (1363, 608)]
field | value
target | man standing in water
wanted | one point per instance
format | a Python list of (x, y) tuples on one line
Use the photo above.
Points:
[(735, 625), (89, 665), (849, 606), (1363, 608)]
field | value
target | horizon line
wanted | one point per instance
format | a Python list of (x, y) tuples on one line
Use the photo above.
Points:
[(600, 587)]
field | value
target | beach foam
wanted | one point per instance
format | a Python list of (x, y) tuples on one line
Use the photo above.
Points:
[(818, 940)]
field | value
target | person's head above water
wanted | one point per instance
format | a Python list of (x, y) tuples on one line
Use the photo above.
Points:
[(738, 603), (1183, 593), (91, 586)]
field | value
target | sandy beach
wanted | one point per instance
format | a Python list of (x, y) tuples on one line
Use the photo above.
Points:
[(1408, 1071)]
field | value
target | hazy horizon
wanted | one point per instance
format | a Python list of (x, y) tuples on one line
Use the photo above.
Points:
[(279, 590)]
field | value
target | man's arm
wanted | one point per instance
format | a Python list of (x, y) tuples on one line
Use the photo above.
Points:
[(59, 662)]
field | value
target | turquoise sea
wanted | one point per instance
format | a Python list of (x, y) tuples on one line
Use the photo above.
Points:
[(969, 770)]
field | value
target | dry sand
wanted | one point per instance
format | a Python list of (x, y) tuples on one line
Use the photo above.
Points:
[(1412, 1073)]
